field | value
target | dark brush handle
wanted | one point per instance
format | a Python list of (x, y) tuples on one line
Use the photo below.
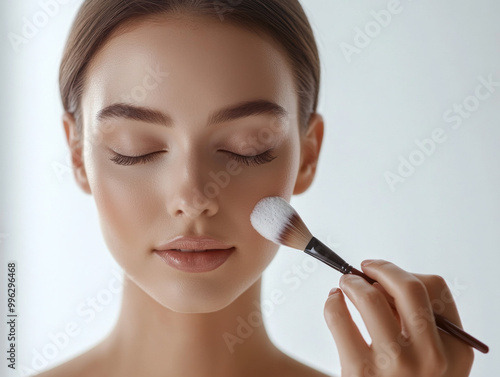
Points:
[(320, 251)]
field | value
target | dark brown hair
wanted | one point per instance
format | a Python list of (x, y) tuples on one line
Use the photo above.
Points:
[(284, 20)]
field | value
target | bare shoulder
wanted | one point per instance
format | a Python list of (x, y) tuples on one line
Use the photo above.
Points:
[(89, 363)]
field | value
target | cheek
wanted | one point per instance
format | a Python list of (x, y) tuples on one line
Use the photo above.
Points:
[(123, 209), (276, 178), (237, 200)]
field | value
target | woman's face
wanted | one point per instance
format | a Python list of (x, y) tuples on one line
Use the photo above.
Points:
[(193, 183)]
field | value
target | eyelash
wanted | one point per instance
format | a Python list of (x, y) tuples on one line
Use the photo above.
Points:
[(259, 159), (132, 160)]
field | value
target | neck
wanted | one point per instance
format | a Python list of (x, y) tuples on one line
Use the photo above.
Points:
[(151, 340)]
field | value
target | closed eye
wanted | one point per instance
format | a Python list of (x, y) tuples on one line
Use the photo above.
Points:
[(255, 160), (259, 159), (132, 160)]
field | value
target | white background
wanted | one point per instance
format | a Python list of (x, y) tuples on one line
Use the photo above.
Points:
[(443, 219)]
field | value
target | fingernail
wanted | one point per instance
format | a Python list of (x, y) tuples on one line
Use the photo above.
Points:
[(367, 262), (333, 291)]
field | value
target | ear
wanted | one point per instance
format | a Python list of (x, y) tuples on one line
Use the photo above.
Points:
[(310, 147), (75, 143)]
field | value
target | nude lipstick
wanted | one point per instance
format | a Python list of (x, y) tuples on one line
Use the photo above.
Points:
[(194, 254)]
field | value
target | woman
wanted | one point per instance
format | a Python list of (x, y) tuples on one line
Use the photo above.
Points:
[(180, 116)]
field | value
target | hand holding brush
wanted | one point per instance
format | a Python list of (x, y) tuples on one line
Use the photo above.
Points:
[(406, 295)]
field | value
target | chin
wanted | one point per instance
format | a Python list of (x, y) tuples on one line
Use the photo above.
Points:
[(199, 302), (196, 295), (208, 292)]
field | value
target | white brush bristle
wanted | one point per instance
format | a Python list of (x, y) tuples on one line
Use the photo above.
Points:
[(270, 216), (275, 219)]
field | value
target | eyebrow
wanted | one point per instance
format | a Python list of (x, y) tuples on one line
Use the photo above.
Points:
[(233, 112)]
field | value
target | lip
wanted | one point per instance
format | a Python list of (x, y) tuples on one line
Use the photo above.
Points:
[(205, 253), (193, 243)]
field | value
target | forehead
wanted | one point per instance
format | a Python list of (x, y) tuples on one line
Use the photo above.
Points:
[(189, 66)]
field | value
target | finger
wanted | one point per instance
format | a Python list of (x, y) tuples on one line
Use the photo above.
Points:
[(390, 300), (350, 343), (376, 312), (442, 301), (411, 300)]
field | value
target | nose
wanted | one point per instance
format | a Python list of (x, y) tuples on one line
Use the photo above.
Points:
[(192, 193)]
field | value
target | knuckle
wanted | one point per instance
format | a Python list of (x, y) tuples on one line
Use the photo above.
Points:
[(414, 287), (436, 281), (370, 298), (438, 289), (381, 263)]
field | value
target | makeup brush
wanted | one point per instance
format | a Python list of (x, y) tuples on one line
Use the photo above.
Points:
[(275, 219)]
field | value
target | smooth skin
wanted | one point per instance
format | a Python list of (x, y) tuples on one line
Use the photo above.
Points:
[(171, 322)]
